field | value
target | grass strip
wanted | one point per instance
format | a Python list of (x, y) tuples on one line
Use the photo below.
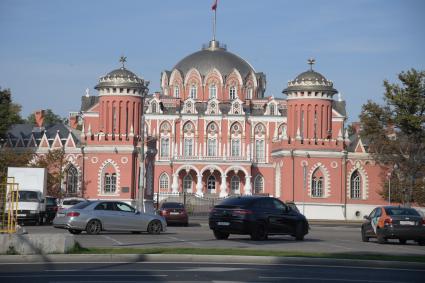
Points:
[(243, 252)]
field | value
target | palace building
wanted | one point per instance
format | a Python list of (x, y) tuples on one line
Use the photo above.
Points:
[(212, 132)]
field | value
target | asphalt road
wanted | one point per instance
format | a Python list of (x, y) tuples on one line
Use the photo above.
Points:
[(326, 238), (202, 272)]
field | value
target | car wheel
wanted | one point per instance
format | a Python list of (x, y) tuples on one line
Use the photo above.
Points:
[(220, 235), (93, 227), (381, 239), (299, 232), (364, 237), (186, 224), (135, 232), (402, 241), (259, 233), (421, 242), (75, 232), (154, 227)]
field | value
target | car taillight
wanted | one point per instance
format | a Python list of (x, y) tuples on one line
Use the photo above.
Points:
[(164, 212), (388, 221), (73, 214), (423, 221), (241, 212)]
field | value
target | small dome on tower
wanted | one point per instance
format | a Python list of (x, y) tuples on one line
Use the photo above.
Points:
[(121, 78), (310, 81)]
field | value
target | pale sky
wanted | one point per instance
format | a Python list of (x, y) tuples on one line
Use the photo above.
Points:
[(51, 51)]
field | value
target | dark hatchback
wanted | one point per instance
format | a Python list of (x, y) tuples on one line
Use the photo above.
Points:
[(394, 222), (257, 216), (174, 212)]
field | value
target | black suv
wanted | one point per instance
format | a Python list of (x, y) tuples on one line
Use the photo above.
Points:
[(257, 216)]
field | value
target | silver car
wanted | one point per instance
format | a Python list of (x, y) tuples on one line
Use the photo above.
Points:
[(96, 216)]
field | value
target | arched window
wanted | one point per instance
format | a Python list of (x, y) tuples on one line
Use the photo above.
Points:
[(176, 91), (71, 180), (317, 187), (355, 181), (236, 147), (271, 108), (165, 147), (259, 150), (187, 183), (235, 184), (153, 107), (249, 93), (258, 184), (213, 91), (110, 183), (163, 181), (211, 184), (188, 146), (193, 91), (212, 147), (232, 92)]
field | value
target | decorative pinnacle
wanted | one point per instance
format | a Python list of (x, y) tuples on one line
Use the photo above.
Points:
[(311, 62), (123, 59)]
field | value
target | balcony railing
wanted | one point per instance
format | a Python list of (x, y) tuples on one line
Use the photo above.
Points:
[(212, 158)]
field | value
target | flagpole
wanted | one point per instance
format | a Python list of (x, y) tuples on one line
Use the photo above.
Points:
[(214, 23)]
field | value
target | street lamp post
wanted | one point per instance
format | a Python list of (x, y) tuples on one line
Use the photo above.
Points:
[(141, 193), (389, 187)]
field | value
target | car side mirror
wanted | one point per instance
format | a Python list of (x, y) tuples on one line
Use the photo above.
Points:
[(366, 217), (136, 212), (42, 200)]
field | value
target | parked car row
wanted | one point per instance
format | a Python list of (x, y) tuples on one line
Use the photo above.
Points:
[(256, 216)]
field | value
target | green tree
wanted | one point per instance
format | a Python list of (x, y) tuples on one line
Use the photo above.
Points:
[(9, 112), (49, 118), (54, 162), (395, 133), (9, 157)]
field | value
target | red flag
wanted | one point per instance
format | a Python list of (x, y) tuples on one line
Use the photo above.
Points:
[(214, 6)]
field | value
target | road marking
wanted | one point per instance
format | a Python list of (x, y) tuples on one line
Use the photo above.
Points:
[(81, 275), (328, 279), (181, 240), (113, 240)]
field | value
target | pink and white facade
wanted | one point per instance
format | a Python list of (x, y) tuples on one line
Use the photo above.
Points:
[(211, 131)]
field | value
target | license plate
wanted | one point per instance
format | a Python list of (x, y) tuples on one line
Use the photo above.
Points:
[(22, 215), (407, 222), (174, 213), (223, 223)]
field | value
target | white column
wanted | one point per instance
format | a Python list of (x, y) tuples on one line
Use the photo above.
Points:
[(199, 186), (248, 185), (175, 184), (223, 186)]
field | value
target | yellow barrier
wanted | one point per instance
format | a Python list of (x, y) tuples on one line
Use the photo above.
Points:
[(9, 197)]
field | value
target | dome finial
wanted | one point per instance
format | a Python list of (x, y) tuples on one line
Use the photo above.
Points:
[(123, 59), (311, 62)]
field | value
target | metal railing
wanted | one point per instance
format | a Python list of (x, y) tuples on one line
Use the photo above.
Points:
[(9, 193)]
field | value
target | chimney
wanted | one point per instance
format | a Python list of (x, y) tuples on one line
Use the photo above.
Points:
[(39, 118), (73, 121)]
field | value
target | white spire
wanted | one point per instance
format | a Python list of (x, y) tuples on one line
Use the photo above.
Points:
[(89, 131), (340, 135), (82, 131), (131, 131), (298, 137)]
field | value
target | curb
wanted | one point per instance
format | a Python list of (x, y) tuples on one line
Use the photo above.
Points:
[(179, 258)]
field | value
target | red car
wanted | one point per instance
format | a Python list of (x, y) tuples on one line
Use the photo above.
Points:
[(394, 222), (174, 212)]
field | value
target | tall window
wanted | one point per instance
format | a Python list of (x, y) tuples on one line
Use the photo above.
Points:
[(165, 147), (236, 147), (249, 93), (232, 92), (176, 91), (302, 124), (212, 147), (211, 183), (259, 149), (71, 180), (110, 183), (213, 91), (258, 184), (317, 187), (153, 107), (163, 181), (235, 184), (271, 108), (114, 119), (193, 91), (355, 185), (187, 183), (188, 146), (315, 124)]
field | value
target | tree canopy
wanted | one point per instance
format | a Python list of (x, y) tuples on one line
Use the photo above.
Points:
[(9, 112), (49, 118), (395, 133)]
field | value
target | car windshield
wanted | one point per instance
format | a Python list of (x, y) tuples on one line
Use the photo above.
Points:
[(71, 201), (29, 196), (82, 204), (401, 211), (50, 201), (172, 205), (236, 201)]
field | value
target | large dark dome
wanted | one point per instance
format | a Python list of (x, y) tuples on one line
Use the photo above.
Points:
[(216, 57)]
